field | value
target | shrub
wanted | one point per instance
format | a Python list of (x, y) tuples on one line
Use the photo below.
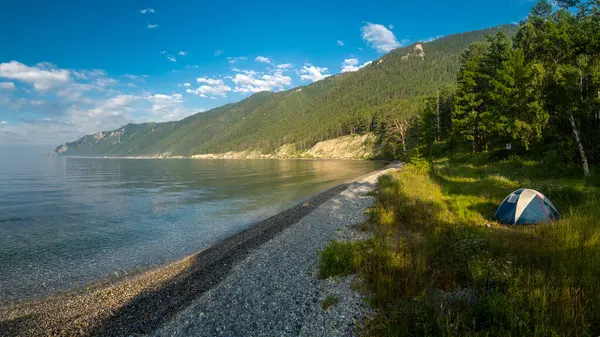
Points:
[(338, 259), (329, 301)]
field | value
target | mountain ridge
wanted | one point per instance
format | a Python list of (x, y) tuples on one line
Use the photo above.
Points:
[(339, 105)]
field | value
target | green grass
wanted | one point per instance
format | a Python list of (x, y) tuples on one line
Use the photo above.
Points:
[(339, 259), (434, 268), (329, 301)]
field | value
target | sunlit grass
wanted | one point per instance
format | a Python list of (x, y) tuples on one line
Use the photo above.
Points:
[(440, 265)]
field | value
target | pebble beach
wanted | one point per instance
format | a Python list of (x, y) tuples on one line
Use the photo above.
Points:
[(260, 282)]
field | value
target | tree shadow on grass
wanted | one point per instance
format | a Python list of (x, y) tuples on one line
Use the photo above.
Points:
[(485, 209), (512, 263)]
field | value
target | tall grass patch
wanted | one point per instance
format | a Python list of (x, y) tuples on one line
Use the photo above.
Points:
[(439, 265)]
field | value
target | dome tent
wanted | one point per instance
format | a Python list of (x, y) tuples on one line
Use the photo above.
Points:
[(526, 206)]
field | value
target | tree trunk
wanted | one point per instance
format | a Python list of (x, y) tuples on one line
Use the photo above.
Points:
[(597, 113), (437, 135), (584, 162), (403, 139), (475, 134)]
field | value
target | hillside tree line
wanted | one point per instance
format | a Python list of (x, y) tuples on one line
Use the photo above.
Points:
[(536, 94)]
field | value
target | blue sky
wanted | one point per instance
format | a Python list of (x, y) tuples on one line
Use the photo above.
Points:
[(69, 68)]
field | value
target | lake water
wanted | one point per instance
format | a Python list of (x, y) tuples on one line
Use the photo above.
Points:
[(67, 221)]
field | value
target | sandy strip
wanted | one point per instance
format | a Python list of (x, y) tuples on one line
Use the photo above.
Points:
[(161, 300)]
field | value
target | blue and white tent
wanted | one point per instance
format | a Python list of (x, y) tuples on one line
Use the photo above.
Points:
[(526, 206)]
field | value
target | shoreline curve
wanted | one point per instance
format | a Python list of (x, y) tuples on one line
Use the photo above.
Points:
[(142, 301)]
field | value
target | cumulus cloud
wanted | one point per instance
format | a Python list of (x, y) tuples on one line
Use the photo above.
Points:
[(210, 88), (42, 77), (379, 37), (313, 73), (285, 66), (147, 10), (167, 107), (163, 52), (69, 103), (218, 52), (151, 26), (182, 53), (244, 71), (7, 85), (351, 64), (113, 106), (171, 58), (340, 43), (262, 59), (251, 82), (209, 81), (186, 84)]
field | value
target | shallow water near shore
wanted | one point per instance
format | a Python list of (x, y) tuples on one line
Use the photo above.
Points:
[(65, 222)]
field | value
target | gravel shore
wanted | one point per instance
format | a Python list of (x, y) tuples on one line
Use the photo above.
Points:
[(260, 282), (275, 291)]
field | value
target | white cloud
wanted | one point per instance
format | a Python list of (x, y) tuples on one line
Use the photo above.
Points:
[(233, 60), (340, 43), (209, 81), (3, 122), (351, 64), (42, 77), (171, 58), (113, 106), (210, 88), (218, 52), (285, 66), (147, 10), (161, 99), (186, 84), (7, 85), (152, 26), (163, 52), (87, 74), (182, 53), (379, 37), (431, 39), (105, 82), (249, 82), (262, 59), (312, 73), (247, 72)]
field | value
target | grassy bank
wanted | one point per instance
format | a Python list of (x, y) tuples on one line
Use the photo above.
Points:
[(439, 265)]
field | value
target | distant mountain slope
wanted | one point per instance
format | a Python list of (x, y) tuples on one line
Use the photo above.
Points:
[(326, 109)]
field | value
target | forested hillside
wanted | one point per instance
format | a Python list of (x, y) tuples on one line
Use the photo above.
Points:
[(347, 103), (537, 95)]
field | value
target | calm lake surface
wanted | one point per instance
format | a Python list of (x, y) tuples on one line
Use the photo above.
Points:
[(67, 221)]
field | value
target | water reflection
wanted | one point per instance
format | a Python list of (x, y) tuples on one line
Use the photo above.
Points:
[(67, 221)]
